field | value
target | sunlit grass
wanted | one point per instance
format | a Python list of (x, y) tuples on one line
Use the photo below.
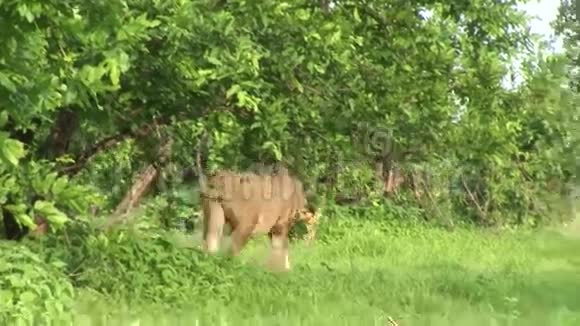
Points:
[(416, 275)]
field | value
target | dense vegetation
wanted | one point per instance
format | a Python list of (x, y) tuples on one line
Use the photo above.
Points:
[(399, 116)]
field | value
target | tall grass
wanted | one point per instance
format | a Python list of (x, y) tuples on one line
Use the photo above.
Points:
[(415, 274)]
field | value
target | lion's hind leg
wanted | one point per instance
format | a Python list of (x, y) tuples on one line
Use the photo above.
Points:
[(280, 246)]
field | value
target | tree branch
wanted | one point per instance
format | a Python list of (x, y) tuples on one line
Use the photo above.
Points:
[(110, 142)]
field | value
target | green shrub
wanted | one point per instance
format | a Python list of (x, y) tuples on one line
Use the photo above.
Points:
[(32, 291), (139, 268)]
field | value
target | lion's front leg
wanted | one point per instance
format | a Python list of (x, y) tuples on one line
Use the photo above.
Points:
[(213, 226)]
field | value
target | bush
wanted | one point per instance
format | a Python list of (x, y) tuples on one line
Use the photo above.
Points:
[(339, 221), (32, 291), (139, 268)]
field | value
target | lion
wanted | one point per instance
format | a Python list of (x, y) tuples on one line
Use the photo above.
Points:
[(252, 204)]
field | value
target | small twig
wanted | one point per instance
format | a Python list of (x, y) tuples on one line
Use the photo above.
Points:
[(392, 321), (482, 213)]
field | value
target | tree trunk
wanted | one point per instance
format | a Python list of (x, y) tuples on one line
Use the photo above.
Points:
[(57, 142), (393, 178), (138, 189)]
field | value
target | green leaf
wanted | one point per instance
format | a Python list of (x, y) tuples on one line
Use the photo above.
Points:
[(234, 89), (303, 14), (59, 185), (3, 118), (12, 151), (26, 220), (76, 206), (114, 74), (282, 6), (335, 37), (153, 23), (356, 15), (16, 208), (213, 60), (25, 12), (43, 183), (7, 83), (6, 296), (50, 212), (27, 297)]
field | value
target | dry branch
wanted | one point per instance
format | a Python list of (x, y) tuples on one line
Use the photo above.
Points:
[(138, 189), (482, 211)]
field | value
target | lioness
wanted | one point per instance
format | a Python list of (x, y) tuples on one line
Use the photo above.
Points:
[(251, 204)]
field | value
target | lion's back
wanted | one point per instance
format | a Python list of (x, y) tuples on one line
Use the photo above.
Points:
[(249, 195)]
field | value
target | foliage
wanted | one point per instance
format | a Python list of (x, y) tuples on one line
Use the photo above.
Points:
[(281, 82), (32, 291), (53, 196), (416, 274), (90, 92), (130, 266)]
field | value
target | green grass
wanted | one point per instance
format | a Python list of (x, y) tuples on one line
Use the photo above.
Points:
[(360, 276)]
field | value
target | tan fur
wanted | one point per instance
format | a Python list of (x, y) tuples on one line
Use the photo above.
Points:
[(252, 204)]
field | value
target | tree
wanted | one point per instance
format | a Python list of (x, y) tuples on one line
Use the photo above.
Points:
[(297, 82)]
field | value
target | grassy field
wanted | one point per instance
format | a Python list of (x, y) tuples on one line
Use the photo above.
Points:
[(361, 276)]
